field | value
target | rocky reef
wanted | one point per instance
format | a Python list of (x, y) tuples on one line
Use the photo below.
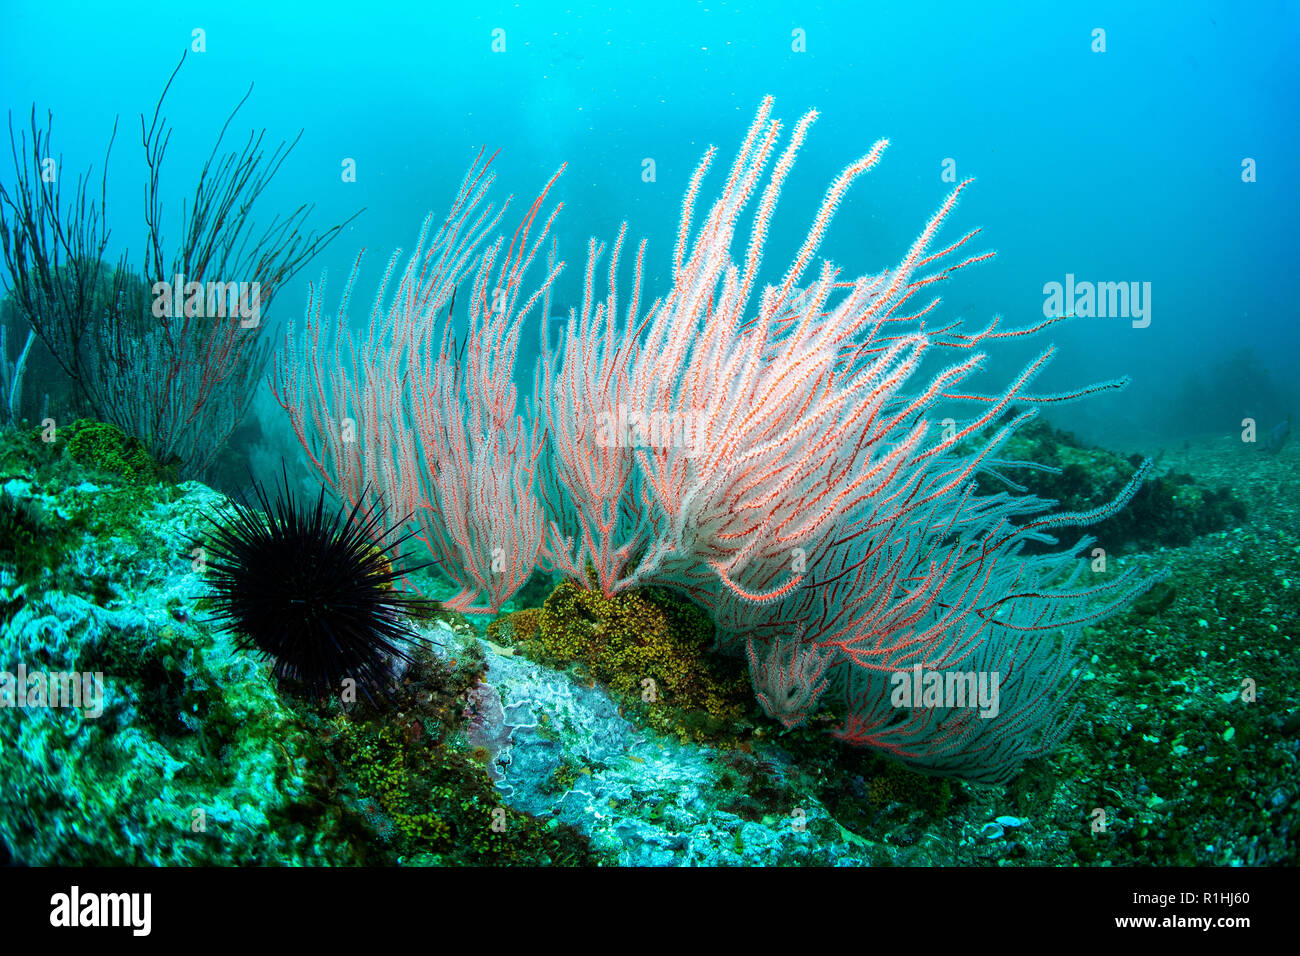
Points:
[(537, 740)]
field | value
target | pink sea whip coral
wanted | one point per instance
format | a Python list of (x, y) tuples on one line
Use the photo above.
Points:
[(396, 415), (789, 677), (771, 450)]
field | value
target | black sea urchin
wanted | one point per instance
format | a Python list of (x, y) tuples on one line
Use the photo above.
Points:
[(312, 591)]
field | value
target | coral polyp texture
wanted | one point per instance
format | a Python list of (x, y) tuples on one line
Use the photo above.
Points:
[(771, 450), (309, 588)]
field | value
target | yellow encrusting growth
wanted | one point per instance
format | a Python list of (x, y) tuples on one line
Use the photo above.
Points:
[(648, 646)]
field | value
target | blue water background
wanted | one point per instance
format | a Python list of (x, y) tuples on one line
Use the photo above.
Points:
[(1115, 166)]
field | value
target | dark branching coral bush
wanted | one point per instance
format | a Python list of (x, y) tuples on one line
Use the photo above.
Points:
[(180, 379)]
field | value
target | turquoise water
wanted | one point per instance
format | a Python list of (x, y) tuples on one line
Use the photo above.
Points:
[(1131, 168), (1115, 166)]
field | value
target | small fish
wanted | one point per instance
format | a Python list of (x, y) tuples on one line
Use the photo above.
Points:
[(1277, 436)]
